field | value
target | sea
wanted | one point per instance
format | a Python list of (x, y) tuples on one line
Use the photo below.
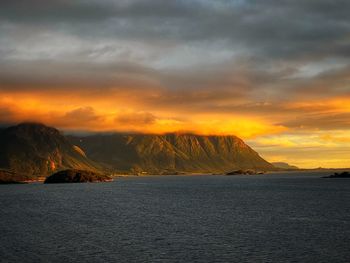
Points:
[(281, 217)]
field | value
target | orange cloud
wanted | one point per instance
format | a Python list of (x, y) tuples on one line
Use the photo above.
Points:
[(281, 131), (117, 112)]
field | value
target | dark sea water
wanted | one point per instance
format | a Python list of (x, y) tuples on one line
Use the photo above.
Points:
[(269, 218)]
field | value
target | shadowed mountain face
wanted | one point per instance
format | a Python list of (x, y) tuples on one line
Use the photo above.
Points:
[(36, 149), (171, 153)]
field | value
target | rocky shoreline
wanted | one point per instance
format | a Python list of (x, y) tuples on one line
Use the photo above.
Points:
[(338, 175), (244, 172), (77, 176)]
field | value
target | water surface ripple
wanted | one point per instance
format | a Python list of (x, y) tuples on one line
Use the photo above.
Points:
[(271, 218)]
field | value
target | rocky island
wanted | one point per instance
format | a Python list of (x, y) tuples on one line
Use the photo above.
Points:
[(244, 172), (76, 176), (338, 175)]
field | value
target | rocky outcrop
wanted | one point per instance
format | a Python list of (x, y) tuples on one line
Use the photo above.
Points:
[(76, 176), (339, 175), (244, 172)]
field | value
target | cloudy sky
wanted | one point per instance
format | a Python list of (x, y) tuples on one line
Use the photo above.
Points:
[(274, 72)]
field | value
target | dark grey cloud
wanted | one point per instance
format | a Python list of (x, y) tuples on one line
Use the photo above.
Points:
[(46, 75), (286, 28), (267, 50)]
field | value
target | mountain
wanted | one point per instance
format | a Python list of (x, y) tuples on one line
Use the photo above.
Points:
[(8, 177), (169, 153), (35, 149), (283, 165)]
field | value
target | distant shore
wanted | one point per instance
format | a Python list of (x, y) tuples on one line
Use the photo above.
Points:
[(7, 177)]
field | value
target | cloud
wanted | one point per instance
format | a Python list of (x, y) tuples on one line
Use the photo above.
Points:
[(325, 121), (85, 115), (250, 67), (135, 118), (297, 29), (301, 24), (335, 139), (71, 75), (234, 47), (7, 116)]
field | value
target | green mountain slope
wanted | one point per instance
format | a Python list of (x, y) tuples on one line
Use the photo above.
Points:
[(171, 153), (36, 149)]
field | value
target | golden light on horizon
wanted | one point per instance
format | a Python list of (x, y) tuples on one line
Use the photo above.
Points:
[(72, 112), (100, 116)]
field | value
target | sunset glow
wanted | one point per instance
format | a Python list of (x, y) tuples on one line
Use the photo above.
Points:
[(183, 71)]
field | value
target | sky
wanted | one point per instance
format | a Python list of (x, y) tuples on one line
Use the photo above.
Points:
[(275, 72)]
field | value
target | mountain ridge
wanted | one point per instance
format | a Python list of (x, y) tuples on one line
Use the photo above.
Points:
[(36, 149), (171, 152)]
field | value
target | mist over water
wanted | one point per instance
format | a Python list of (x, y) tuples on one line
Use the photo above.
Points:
[(272, 218)]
